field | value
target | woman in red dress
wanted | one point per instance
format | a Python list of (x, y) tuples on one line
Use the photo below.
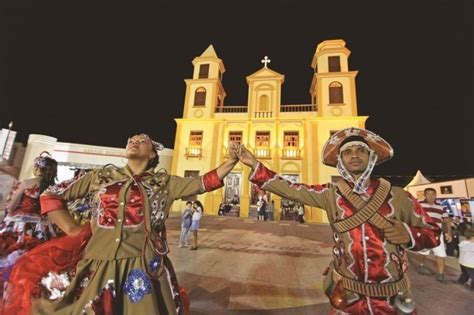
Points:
[(118, 263), (23, 226)]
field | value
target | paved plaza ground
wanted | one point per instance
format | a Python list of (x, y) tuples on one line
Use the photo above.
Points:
[(245, 266)]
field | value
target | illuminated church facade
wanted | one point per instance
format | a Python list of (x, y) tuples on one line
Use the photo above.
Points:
[(286, 138)]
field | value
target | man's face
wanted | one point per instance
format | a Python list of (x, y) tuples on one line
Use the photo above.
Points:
[(430, 196), (139, 146), (355, 159)]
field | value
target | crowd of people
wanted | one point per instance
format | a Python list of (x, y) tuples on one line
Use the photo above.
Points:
[(108, 253)]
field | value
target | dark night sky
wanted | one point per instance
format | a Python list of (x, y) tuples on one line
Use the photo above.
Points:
[(95, 73)]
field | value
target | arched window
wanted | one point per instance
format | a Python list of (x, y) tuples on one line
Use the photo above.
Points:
[(335, 93), (200, 97), (263, 103)]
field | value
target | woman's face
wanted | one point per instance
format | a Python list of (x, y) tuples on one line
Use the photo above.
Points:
[(36, 171), (139, 147)]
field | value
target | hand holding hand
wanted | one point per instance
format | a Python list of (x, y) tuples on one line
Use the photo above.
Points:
[(246, 157), (233, 151), (397, 233)]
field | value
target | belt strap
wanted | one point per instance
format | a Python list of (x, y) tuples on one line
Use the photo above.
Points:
[(371, 289), (367, 210)]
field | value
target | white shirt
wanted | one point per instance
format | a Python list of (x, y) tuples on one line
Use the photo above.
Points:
[(301, 210), (197, 214), (466, 253)]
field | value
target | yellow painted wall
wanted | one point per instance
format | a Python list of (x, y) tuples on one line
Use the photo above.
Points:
[(313, 127)]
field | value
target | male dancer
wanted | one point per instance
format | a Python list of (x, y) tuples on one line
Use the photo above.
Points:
[(372, 222)]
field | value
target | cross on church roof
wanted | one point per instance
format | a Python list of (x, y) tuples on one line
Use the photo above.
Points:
[(265, 60)]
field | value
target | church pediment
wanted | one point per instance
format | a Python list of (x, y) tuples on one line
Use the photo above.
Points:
[(266, 74)]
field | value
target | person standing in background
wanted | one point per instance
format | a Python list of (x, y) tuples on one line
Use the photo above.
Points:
[(466, 258), (439, 215), (270, 210), (186, 220), (198, 210)]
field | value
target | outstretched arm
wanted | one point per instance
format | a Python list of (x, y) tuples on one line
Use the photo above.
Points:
[(229, 164), (313, 195), (182, 187)]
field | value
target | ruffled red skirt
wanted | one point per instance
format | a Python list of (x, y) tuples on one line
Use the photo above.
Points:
[(55, 255)]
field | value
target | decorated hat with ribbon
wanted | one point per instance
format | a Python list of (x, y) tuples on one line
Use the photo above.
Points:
[(331, 149)]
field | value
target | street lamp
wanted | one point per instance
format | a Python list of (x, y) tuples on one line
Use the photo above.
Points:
[(10, 125)]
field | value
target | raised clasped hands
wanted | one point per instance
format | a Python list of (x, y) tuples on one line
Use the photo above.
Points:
[(246, 157), (233, 151), (240, 152)]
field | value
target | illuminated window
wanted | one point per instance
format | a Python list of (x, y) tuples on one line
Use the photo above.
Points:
[(291, 139), (291, 145), (235, 136), (195, 142), (262, 139), (335, 93), (200, 97), (195, 138)]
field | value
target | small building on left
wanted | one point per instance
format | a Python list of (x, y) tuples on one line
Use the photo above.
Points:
[(70, 156)]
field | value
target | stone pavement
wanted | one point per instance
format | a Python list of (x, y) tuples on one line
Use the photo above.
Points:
[(244, 266)]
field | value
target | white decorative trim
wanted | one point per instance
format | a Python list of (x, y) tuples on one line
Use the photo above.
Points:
[(371, 312), (384, 246), (202, 183), (364, 247), (412, 201), (168, 277), (275, 177), (387, 262), (343, 211), (353, 143), (413, 243), (388, 303)]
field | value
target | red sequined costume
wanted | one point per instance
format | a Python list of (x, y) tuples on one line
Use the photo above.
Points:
[(119, 263), (361, 253), (23, 226)]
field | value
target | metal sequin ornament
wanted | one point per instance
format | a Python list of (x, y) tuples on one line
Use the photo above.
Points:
[(137, 285)]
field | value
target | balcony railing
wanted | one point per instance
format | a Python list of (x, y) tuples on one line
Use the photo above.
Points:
[(291, 153), (194, 152), (263, 114), (283, 109), (263, 153), (231, 109), (298, 108)]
